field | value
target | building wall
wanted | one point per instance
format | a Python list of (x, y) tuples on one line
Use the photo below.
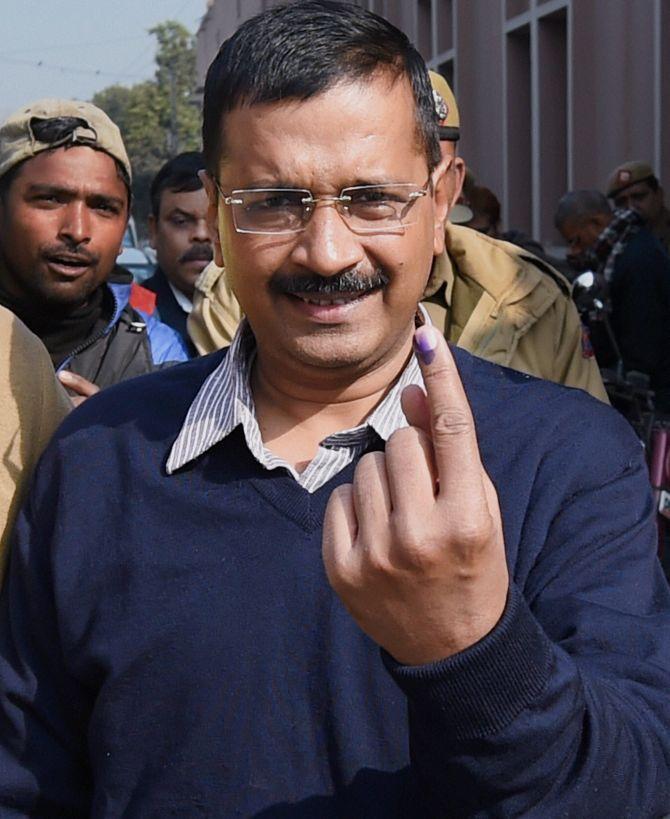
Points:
[(552, 93)]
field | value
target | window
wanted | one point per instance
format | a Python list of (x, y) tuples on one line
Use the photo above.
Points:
[(519, 144)]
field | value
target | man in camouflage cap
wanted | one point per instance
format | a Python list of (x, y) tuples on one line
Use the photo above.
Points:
[(64, 205), (634, 185)]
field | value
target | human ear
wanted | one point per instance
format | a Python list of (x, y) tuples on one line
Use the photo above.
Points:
[(447, 180), (151, 224)]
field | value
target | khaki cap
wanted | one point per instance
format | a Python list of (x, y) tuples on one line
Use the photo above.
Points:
[(445, 108), (630, 173), (18, 141)]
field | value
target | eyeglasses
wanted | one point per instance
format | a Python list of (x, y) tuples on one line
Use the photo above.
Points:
[(364, 208)]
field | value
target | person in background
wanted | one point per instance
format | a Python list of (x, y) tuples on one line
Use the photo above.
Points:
[(325, 575), (33, 405), (180, 236), (485, 210), (488, 296), (64, 205), (500, 301), (625, 254), (634, 185)]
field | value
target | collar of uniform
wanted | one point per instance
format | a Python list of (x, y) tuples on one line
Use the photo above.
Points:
[(225, 401), (504, 271), (182, 299)]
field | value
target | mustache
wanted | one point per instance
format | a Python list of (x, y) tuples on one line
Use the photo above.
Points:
[(71, 249), (349, 281), (198, 253)]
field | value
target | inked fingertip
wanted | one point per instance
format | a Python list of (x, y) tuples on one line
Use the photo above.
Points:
[(425, 343)]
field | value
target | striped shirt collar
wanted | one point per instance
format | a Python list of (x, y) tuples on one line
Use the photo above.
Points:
[(225, 402)]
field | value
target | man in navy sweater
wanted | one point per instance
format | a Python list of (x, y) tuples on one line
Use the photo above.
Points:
[(301, 586)]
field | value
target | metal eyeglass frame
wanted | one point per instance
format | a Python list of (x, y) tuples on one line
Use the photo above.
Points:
[(338, 201)]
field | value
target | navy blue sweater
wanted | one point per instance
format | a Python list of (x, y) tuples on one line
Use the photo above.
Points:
[(169, 645)]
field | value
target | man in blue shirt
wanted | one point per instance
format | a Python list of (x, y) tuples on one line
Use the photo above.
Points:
[(200, 633)]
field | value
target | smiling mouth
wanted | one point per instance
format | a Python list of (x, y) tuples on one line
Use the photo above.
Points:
[(335, 299)]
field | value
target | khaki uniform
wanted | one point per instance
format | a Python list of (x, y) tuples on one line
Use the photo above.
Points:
[(33, 404), (494, 299), (489, 297), (212, 322)]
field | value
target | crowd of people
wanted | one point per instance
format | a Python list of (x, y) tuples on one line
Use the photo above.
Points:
[(622, 236), (349, 547)]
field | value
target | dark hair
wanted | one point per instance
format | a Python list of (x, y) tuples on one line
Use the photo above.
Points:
[(179, 174), (58, 129), (484, 202), (299, 50), (580, 206)]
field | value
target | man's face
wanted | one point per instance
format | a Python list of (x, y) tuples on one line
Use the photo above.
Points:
[(61, 226), (353, 134), (180, 237), (581, 235), (640, 197)]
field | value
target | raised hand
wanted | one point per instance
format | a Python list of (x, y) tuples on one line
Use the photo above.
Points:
[(414, 547)]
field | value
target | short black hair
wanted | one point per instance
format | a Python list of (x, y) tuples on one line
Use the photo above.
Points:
[(179, 174), (484, 202), (580, 206), (298, 50)]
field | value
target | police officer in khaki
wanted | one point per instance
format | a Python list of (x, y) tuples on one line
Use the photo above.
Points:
[(634, 185), (488, 296)]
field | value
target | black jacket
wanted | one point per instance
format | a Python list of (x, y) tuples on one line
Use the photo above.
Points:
[(640, 297), (132, 343), (169, 311)]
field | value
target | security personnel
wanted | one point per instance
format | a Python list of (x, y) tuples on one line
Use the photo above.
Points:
[(490, 297), (634, 185)]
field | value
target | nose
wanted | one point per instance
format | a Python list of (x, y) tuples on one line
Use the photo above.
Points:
[(326, 246), (200, 232), (75, 226)]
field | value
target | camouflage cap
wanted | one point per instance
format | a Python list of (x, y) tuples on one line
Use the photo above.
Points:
[(445, 108), (630, 173), (18, 140)]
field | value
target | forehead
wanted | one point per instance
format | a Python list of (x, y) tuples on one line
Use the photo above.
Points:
[(194, 202), (78, 166), (354, 131)]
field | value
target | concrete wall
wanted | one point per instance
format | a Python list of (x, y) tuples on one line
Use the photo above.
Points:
[(613, 81), (479, 90)]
